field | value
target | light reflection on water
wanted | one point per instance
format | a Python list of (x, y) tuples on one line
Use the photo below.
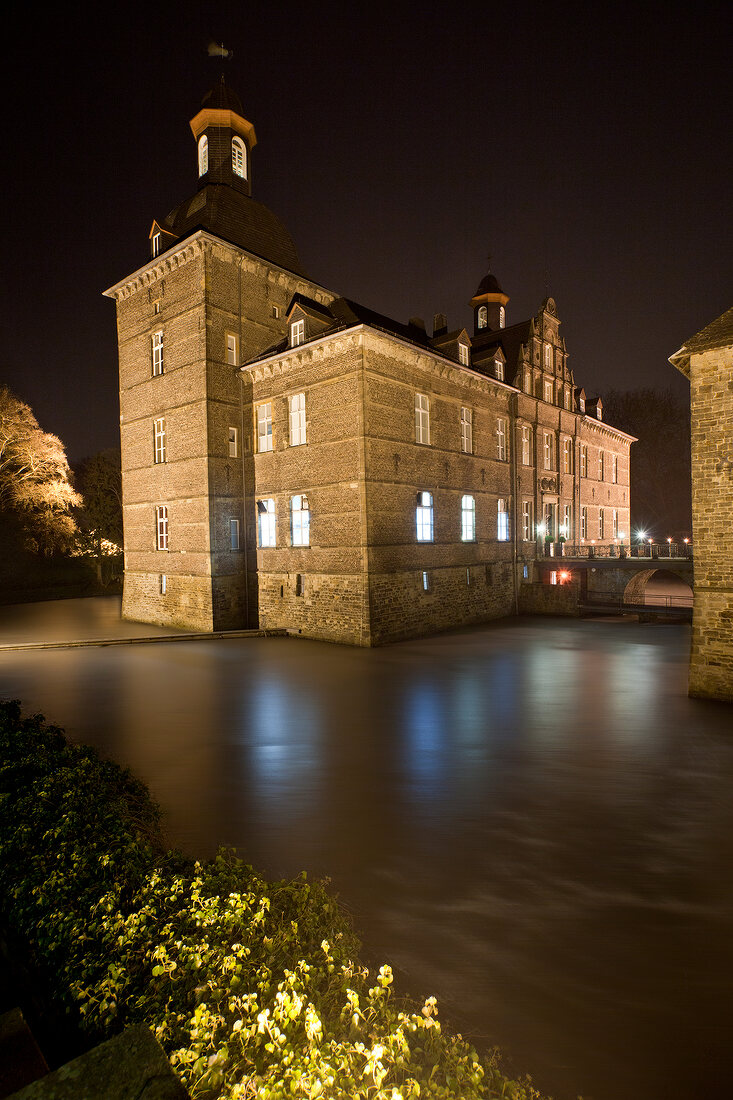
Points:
[(531, 820)]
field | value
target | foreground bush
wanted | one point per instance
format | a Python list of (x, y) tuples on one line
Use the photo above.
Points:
[(249, 985)]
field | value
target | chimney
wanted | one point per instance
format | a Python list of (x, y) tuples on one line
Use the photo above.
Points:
[(440, 324), (417, 322)]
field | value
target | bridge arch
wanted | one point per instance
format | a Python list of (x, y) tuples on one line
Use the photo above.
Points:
[(636, 588)]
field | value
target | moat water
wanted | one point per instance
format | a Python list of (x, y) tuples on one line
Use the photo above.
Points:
[(530, 819)]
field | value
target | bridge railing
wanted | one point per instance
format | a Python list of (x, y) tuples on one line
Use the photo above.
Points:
[(643, 599), (651, 551)]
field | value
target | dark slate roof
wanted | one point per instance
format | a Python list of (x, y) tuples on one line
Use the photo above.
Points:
[(489, 285), (221, 97), (510, 340), (236, 218), (718, 334)]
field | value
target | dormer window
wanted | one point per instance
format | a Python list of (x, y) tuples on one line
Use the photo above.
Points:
[(581, 404), (499, 370), (599, 411), (297, 333), (483, 317), (463, 354), (502, 317), (155, 243), (203, 155), (239, 158)]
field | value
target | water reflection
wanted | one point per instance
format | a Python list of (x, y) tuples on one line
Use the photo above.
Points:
[(532, 820)]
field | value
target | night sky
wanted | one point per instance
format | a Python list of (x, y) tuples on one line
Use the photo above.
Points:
[(587, 149)]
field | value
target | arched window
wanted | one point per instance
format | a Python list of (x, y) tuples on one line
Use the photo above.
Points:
[(239, 158), (483, 317), (502, 317), (424, 517), (468, 519), (203, 155)]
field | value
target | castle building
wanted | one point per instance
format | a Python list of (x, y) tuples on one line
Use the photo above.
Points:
[(292, 459), (706, 359)]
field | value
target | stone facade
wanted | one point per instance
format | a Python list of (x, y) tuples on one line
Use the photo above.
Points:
[(291, 459), (707, 361)]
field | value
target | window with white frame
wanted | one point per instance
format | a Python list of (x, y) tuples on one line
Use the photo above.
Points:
[(601, 524), (601, 465), (468, 519), (501, 439), (567, 456), (161, 527), (466, 430), (159, 447), (157, 351), (614, 520), (239, 158), (502, 520), (300, 520), (296, 416), (266, 522), (276, 311), (581, 404), (424, 517), (502, 316), (527, 524), (463, 354), (583, 460), (232, 349), (499, 369), (203, 155), (422, 418), (614, 469), (233, 534), (156, 239), (547, 451), (425, 581), (566, 525), (483, 317), (264, 427), (526, 445), (548, 391), (233, 442), (548, 357), (584, 523), (297, 332)]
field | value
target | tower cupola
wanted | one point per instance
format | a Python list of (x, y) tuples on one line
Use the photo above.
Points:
[(489, 305), (224, 140)]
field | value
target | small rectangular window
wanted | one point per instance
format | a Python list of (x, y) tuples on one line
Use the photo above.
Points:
[(157, 352), (548, 449), (163, 580), (566, 527), (548, 391), (422, 418), (499, 370), (232, 350), (276, 311), (614, 517), (601, 524), (467, 430), (527, 532), (463, 354), (296, 405), (264, 427), (233, 534), (584, 523), (567, 450), (601, 465), (501, 439), (583, 460), (502, 520), (233, 442), (553, 576), (159, 441), (156, 244), (548, 357), (526, 446), (161, 527), (425, 582), (525, 572), (297, 333), (614, 469)]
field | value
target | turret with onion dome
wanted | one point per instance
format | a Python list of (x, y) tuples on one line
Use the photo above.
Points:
[(489, 305)]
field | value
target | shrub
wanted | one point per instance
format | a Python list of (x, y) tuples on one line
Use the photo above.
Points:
[(251, 986)]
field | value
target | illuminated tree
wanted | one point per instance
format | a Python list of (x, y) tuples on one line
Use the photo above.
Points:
[(36, 493)]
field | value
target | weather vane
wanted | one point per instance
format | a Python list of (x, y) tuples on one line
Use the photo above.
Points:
[(216, 50)]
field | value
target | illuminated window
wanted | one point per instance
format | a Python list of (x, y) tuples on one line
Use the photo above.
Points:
[(232, 350), (527, 525), (468, 519), (463, 354), (266, 522), (239, 158), (161, 527), (422, 418), (566, 527), (424, 517), (233, 534), (264, 427), (467, 430), (553, 576), (584, 523), (163, 583), (203, 155), (233, 442), (499, 369), (547, 451), (297, 333), (581, 404), (502, 520), (614, 519), (502, 317), (296, 405), (548, 357), (567, 456), (526, 446), (156, 243), (157, 352), (601, 465), (583, 460), (425, 582), (159, 440), (483, 317), (300, 520), (548, 391), (501, 439), (601, 524)]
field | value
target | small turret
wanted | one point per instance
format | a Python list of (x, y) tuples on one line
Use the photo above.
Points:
[(224, 140), (489, 305)]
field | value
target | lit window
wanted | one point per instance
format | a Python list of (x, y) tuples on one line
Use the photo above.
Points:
[(501, 439), (157, 352), (422, 418), (553, 576), (502, 520), (614, 469), (499, 370), (483, 317), (526, 446), (566, 527), (163, 582), (601, 465), (424, 517), (584, 523), (425, 582), (297, 419), (266, 522), (161, 527), (233, 534), (300, 520), (233, 442), (599, 411), (567, 456), (468, 519), (548, 448), (156, 243), (601, 524), (502, 317), (159, 440), (297, 333), (463, 354), (203, 155), (467, 430), (548, 357), (232, 349), (548, 391), (264, 427), (527, 520), (239, 158), (583, 460), (614, 520)]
